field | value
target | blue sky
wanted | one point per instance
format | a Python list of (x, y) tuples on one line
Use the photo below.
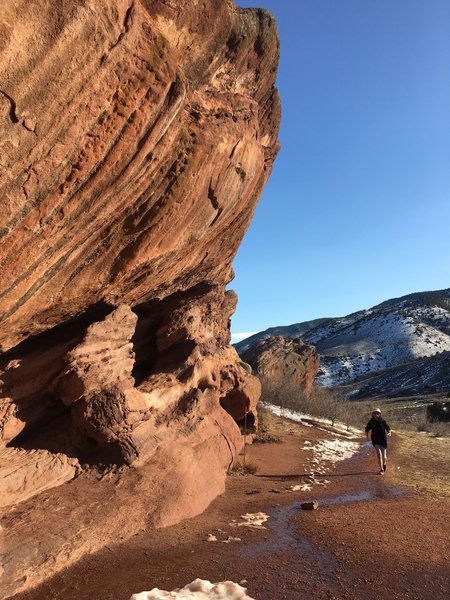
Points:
[(357, 209)]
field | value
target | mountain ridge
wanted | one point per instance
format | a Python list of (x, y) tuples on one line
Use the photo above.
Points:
[(388, 338)]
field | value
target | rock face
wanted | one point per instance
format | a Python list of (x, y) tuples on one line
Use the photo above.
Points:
[(284, 360), (135, 140)]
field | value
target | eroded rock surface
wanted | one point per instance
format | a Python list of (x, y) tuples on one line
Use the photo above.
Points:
[(24, 474), (284, 361), (135, 139)]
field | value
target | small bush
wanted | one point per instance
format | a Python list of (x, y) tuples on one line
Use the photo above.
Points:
[(246, 367), (239, 468), (439, 411), (265, 437), (436, 429), (422, 426)]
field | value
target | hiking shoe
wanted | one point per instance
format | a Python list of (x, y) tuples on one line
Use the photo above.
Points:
[(381, 472), (384, 468)]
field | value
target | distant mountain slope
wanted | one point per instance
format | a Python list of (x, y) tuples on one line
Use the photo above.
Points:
[(421, 376), (288, 331), (389, 335)]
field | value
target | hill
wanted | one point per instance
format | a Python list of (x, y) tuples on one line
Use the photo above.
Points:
[(297, 330), (402, 343)]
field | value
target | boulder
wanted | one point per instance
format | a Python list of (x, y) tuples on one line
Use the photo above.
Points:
[(136, 137)]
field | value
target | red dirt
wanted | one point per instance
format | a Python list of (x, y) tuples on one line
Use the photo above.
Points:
[(394, 545)]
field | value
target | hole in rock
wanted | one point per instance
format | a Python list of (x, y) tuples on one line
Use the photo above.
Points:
[(236, 405), (247, 423)]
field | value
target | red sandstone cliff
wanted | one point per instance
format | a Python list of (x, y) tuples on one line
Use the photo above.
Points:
[(135, 139), (284, 361)]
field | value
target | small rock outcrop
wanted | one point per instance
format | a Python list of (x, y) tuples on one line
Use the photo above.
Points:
[(135, 139), (282, 360), (24, 474)]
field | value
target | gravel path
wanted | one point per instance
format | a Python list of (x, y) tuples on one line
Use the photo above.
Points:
[(368, 540)]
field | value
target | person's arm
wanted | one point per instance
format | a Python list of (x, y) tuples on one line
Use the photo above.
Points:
[(368, 430), (388, 429)]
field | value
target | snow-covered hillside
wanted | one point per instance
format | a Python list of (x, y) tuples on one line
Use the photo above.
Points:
[(396, 332), (379, 339), (422, 376)]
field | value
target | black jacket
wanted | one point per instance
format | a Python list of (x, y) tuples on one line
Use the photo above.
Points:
[(379, 429)]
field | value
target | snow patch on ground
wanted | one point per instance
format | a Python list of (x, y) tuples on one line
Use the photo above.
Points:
[(253, 520), (304, 417), (213, 538), (304, 487), (326, 451), (333, 450), (200, 589)]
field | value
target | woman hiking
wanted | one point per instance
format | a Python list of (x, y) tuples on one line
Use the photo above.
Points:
[(378, 431)]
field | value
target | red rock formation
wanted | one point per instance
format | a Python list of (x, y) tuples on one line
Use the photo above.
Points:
[(135, 139), (285, 361), (135, 142)]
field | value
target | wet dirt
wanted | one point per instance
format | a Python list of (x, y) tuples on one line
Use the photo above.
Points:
[(368, 540)]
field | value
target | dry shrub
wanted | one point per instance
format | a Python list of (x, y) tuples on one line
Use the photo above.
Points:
[(241, 468), (267, 427), (436, 429), (265, 437), (321, 402)]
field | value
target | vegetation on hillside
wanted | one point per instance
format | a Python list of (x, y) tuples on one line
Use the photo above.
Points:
[(408, 413)]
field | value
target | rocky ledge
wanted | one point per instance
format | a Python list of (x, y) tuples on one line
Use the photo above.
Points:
[(135, 140)]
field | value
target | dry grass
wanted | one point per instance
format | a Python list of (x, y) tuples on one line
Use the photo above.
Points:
[(273, 425), (424, 463)]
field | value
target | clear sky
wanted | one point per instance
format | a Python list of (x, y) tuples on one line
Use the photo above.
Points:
[(357, 209)]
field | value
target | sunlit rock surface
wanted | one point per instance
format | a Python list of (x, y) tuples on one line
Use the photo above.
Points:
[(284, 362)]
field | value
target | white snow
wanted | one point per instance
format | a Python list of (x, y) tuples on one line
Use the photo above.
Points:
[(200, 589), (378, 339), (253, 520), (300, 418), (305, 487), (333, 450), (213, 538)]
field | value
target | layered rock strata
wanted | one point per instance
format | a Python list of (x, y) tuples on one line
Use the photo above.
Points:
[(284, 362), (135, 140)]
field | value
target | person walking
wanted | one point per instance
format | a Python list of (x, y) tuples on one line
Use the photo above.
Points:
[(378, 431)]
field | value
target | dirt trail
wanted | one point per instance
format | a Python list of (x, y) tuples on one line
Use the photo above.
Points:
[(368, 540)]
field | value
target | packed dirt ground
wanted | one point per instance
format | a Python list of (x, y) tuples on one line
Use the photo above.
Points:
[(373, 537)]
